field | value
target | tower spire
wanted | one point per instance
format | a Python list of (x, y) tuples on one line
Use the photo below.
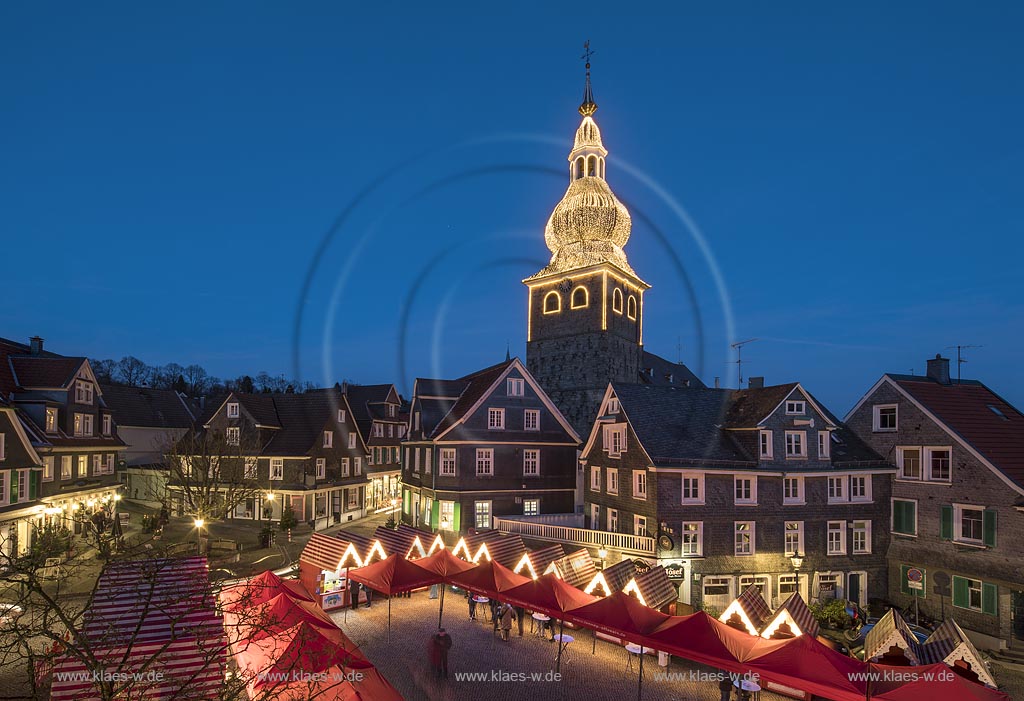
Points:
[(588, 106)]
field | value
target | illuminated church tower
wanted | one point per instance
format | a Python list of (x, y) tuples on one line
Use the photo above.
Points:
[(586, 307)]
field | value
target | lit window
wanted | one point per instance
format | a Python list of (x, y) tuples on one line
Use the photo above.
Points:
[(51, 420), (836, 537), (83, 466), (48, 466), (276, 468), (484, 461), (531, 420), (65, 467), (531, 507), (796, 408), (796, 444), (515, 387), (743, 538), (482, 512), (794, 538), (613, 481), (580, 298), (531, 463), (495, 418), (639, 484), (692, 539), (886, 417), (861, 537)]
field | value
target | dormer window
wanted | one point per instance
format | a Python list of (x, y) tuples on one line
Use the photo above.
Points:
[(51, 419), (83, 392), (613, 405), (232, 410), (516, 387), (796, 408), (106, 423), (328, 439)]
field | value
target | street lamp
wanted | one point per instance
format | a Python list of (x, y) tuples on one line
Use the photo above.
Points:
[(797, 560), (602, 554), (199, 534)]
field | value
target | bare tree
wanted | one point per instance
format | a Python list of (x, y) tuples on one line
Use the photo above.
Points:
[(165, 377), (133, 372), (103, 369), (197, 380)]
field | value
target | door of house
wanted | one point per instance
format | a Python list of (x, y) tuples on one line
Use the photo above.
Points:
[(856, 586), (1017, 602)]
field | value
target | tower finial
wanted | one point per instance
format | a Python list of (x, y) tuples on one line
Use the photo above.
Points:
[(588, 107)]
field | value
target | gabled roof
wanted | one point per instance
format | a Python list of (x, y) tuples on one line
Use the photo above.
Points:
[(475, 386), (981, 418), (145, 407), (749, 407), (891, 631), (794, 612), (261, 407), (665, 373), (36, 371), (949, 643), (748, 611)]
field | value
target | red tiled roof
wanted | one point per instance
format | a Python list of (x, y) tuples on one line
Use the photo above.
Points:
[(982, 418)]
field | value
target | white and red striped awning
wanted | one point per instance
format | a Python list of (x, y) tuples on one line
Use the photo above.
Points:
[(151, 626)]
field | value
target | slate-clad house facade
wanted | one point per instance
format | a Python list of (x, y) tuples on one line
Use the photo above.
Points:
[(302, 449), (488, 444), (378, 413), (61, 409), (957, 508), (20, 470), (733, 483)]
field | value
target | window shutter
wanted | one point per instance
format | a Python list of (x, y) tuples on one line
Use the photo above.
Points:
[(435, 514), (946, 524), (457, 518), (960, 594), (904, 588), (989, 599), (989, 527), (33, 480)]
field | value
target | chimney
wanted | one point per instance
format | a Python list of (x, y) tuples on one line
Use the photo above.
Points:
[(718, 382), (35, 345), (755, 382), (938, 369)]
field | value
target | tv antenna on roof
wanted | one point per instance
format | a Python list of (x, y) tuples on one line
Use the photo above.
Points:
[(960, 360), (739, 358)]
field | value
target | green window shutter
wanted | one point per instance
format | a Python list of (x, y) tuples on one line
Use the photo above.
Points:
[(897, 516), (33, 482), (904, 588), (435, 514), (961, 596), (457, 518), (406, 498), (946, 524), (989, 599), (989, 527), (14, 486)]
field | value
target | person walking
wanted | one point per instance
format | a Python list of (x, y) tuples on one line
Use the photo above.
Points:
[(507, 615), (440, 644), (725, 686), (355, 595), (369, 595), (520, 618), (472, 605)]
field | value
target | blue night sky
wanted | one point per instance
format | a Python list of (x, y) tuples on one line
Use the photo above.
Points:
[(346, 192)]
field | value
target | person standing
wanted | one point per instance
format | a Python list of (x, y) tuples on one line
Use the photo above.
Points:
[(507, 615), (441, 643), (725, 686), (472, 605), (520, 617), (369, 595), (355, 595)]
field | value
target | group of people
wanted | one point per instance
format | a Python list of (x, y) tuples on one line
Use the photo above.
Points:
[(355, 587), (503, 615)]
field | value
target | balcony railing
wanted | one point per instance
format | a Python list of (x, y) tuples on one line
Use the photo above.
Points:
[(621, 542)]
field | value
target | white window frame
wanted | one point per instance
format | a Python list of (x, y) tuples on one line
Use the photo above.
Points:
[(495, 418), (428, 458), (595, 478), (22, 485), (927, 454), (892, 517), (251, 468), (83, 466), (613, 480), (488, 515), (637, 521), (4, 495), (357, 465), (346, 465), (876, 418), (3, 446), (531, 455), (448, 462), (108, 464), (446, 515), (901, 462), (49, 463), (797, 500), (751, 498), (84, 393), (613, 405), (835, 527), (535, 511), (843, 496), (232, 435), (341, 416), (613, 520), (640, 484), (51, 419), (736, 531), (106, 424), (698, 550), (799, 532), (699, 477), (958, 513), (515, 386), (232, 410), (595, 517), (861, 526), (615, 440), (824, 445), (766, 449), (97, 464), (351, 440), (865, 498), (796, 407), (716, 581), (67, 467), (534, 424), (802, 437), (276, 468), (321, 468), (485, 462)]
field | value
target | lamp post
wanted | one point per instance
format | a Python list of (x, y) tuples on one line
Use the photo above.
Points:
[(199, 534), (601, 555), (797, 560)]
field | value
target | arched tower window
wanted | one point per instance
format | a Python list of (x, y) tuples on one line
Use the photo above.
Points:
[(617, 300), (552, 303), (579, 168), (580, 298), (631, 307), (592, 166)]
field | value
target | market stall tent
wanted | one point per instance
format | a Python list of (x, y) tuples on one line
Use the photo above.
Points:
[(489, 578)]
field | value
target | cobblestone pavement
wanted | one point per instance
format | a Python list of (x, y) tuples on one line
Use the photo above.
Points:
[(585, 675)]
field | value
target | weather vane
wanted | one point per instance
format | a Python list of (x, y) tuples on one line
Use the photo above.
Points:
[(587, 53)]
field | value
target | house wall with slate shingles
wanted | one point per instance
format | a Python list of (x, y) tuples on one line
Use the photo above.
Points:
[(972, 483)]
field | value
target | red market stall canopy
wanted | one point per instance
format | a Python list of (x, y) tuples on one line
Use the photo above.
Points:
[(620, 615), (701, 638), (549, 595), (260, 589), (936, 682), (445, 565), (272, 616), (489, 578), (806, 664), (302, 647), (150, 615), (394, 575)]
